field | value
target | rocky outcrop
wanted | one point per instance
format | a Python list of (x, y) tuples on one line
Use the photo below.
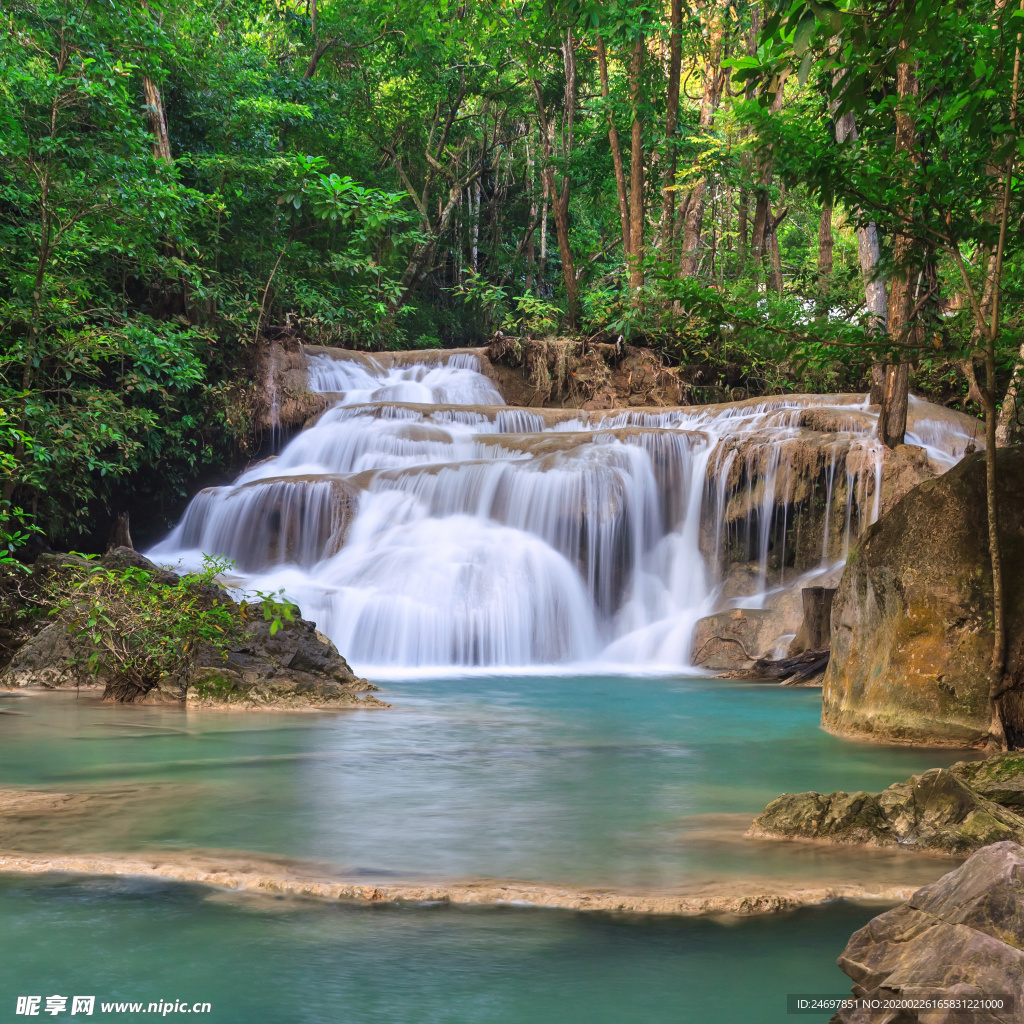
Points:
[(960, 937), (283, 398), (999, 778), (932, 811), (911, 622), (294, 667), (733, 639)]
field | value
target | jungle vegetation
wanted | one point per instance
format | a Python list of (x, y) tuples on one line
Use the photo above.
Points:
[(794, 194)]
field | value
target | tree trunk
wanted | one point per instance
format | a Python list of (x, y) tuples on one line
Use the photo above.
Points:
[(668, 202), (531, 249), (613, 141), (869, 256), (474, 216), (636, 173), (560, 196), (762, 212), (713, 82), (825, 245), (892, 413), (741, 228), (157, 119)]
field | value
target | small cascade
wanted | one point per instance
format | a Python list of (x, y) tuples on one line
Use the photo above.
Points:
[(424, 524)]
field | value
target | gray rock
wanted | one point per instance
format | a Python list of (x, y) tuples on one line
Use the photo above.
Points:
[(296, 667), (961, 936)]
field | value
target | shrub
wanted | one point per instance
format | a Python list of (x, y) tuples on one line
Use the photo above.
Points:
[(135, 627)]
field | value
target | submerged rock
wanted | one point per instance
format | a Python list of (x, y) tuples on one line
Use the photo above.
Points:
[(932, 811), (912, 619), (960, 937)]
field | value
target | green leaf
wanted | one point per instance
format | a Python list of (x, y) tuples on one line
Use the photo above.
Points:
[(805, 67), (804, 31)]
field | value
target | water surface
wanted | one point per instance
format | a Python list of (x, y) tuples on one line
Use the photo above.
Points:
[(593, 781), (283, 962)]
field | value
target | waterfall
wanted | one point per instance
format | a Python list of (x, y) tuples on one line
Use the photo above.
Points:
[(425, 525)]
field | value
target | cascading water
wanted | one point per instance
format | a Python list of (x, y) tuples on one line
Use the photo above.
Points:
[(423, 524)]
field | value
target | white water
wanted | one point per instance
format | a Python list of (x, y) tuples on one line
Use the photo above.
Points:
[(426, 526)]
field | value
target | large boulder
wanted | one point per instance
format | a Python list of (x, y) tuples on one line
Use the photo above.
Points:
[(931, 811), (961, 937), (912, 620)]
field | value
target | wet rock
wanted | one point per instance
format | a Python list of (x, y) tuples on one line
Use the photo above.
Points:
[(734, 639), (911, 622), (284, 400), (961, 936), (931, 811)]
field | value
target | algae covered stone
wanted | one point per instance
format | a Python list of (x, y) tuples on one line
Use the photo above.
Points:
[(932, 811)]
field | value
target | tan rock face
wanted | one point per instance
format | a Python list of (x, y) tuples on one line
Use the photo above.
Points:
[(911, 622), (961, 936)]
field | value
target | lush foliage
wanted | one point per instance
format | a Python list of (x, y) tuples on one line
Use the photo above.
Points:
[(137, 626), (176, 177)]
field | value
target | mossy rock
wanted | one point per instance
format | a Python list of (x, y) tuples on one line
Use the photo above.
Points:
[(932, 811)]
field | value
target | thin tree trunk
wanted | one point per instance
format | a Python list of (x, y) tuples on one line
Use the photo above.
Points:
[(636, 173), (545, 203), (742, 216), (613, 141), (474, 249), (713, 82), (869, 256), (825, 246), (560, 196), (531, 249), (741, 228), (762, 213), (668, 202), (775, 255), (892, 413)]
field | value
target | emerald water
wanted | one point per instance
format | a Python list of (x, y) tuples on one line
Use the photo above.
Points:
[(593, 781), (284, 961), (616, 781)]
